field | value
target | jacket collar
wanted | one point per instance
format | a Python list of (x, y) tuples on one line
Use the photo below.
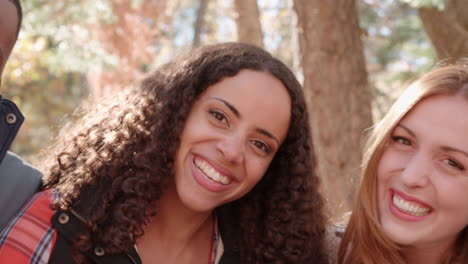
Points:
[(70, 224)]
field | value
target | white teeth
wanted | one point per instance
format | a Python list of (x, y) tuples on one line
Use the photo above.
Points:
[(409, 207), (211, 173)]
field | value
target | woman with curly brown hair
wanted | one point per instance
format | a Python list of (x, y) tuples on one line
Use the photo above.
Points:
[(207, 160), (413, 201)]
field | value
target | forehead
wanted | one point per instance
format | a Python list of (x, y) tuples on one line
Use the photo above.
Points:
[(260, 98), (443, 116), (251, 90), (8, 29), (449, 107)]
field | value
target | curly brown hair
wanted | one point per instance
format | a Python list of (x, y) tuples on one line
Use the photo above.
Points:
[(120, 155)]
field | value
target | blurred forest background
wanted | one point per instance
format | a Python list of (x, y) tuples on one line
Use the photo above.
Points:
[(354, 58)]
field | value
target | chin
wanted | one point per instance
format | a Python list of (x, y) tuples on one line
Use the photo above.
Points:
[(199, 205), (401, 236)]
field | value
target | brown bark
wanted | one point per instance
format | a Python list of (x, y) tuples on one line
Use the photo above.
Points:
[(129, 39), (335, 83), (249, 29), (199, 22), (448, 28)]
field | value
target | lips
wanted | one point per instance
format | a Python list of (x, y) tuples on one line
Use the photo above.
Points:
[(211, 173), (409, 205)]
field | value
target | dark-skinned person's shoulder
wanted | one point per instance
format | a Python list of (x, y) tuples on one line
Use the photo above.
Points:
[(18, 182)]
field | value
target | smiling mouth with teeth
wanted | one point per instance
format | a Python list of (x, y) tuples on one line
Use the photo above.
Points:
[(410, 208), (210, 173)]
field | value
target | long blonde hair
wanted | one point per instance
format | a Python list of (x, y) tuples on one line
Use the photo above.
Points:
[(364, 241)]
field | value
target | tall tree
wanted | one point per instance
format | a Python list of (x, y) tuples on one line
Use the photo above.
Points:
[(447, 28), (199, 22), (249, 29), (129, 39), (335, 83)]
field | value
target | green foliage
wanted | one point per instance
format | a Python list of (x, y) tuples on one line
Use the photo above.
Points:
[(67, 26), (46, 74), (440, 4), (43, 96), (396, 47), (279, 29)]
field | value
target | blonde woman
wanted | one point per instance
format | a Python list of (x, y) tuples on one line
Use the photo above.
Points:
[(412, 205)]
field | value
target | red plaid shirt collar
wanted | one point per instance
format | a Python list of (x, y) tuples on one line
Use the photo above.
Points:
[(30, 236)]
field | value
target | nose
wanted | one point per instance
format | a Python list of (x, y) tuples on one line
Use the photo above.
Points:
[(417, 171), (231, 148)]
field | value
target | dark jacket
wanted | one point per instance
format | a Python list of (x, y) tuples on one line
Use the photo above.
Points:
[(10, 122), (68, 226), (18, 180)]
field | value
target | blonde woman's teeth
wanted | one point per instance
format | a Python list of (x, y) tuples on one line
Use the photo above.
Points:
[(210, 173), (410, 207)]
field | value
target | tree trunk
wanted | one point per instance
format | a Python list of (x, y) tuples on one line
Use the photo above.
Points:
[(127, 39), (448, 28), (335, 83), (249, 29), (199, 22)]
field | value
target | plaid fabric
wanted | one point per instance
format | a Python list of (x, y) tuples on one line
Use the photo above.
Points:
[(30, 236)]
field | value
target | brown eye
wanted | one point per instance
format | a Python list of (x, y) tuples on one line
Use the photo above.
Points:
[(262, 146), (218, 115)]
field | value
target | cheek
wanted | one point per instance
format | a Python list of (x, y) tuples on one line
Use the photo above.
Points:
[(195, 130), (389, 164), (452, 196), (382, 171), (383, 178), (257, 169)]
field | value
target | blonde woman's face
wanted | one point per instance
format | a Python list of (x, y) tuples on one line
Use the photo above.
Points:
[(423, 175)]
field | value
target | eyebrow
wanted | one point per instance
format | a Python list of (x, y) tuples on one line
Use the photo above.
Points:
[(230, 106), (451, 149), (444, 148), (268, 134), (238, 115), (407, 130)]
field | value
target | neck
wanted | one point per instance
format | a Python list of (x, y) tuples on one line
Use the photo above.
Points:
[(176, 232), (174, 221), (430, 254)]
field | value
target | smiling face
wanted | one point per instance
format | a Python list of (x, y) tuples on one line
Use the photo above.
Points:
[(423, 175), (230, 137), (8, 28)]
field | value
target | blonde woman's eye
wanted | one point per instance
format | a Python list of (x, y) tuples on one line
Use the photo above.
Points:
[(401, 140), (454, 164)]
